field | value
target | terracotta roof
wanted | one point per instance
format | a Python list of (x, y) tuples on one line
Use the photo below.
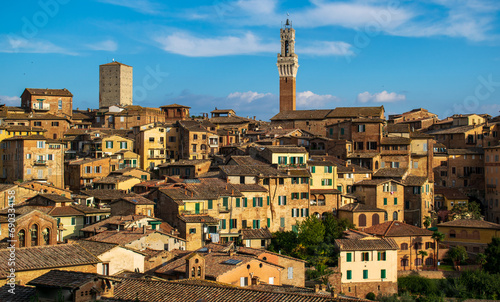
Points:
[(301, 115), (136, 200), (359, 207), (56, 92), (391, 172), (229, 120), (174, 106), (114, 63), (367, 244), (375, 182), (396, 229), (161, 291), (54, 197), (256, 233), (470, 223), (363, 155), (96, 248), (106, 194), (249, 188), (123, 236), (66, 279), (354, 112), (450, 193), (414, 180), (22, 293), (454, 130), (185, 162), (47, 257), (286, 149)]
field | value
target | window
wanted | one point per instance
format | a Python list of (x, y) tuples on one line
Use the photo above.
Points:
[(238, 203), (365, 274), (265, 181), (383, 274), (385, 201), (326, 182), (304, 212), (257, 202), (171, 139), (304, 195), (256, 224), (361, 128), (341, 131), (98, 169), (348, 257), (233, 224), (243, 281), (281, 181), (395, 215), (349, 275), (394, 164), (73, 220), (223, 224), (295, 196), (211, 204), (365, 256), (40, 144), (151, 139), (395, 201), (55, 124), (37, 124), (295, 212), (381, 256), (453, 234), (123, 145), (195, 136), (362, 220), (404, 246), (245, 202)]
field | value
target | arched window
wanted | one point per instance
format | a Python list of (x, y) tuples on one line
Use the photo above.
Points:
[(404, 246), (321, 146), (418, 261), (321, 200), (395, 215), (376, 165), (453, 234), (199, 271), (476, 235), (193, 272), (22, 238), (362, 220), (386, 216), (46, 236), (404, 262), (34, 235), (463, 234), (287, 47), (317, 215), (429, 261), (375, 219)]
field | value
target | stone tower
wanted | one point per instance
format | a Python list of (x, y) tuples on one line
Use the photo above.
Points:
[(195, 266), (115, 84), (288, 63)]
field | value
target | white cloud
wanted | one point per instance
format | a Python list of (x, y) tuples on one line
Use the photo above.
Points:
[(142, 6), (106, 45), (14, 44), (191, 46), (380, 97), (10, 100), (327, 48), (248, 96), (308, 99)]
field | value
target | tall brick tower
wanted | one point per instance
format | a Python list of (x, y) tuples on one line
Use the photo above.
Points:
[(115, 84), (288, 63)]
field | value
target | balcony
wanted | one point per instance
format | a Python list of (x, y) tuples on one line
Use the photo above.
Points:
[(223, 209), (40, 106), (192, 212), (156, 156), (40, 162)]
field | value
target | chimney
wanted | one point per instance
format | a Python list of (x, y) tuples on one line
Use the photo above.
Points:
[(144, 229), (316, 288), (323, 287), (209, 250)]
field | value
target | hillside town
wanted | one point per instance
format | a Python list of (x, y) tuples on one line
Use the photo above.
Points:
[(131, 203)]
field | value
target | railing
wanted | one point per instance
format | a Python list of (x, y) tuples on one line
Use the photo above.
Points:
[(192, 212), (223, 209), (40, 162), (38, 106), (156, 156), (292, 165), (317, 203)]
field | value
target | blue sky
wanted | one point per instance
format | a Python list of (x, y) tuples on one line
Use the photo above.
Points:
[(442, 55)]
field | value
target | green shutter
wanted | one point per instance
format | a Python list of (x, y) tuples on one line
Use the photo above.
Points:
[(349, 257), (73, 220), (378, 256), (301, 160), (313, 169), (282, 222), (237, 202), (284, 200), (349, 275), (385, 201), (225, 202), (322, 182), (254, 202), (311, 181), (326, 169), (285, 160), (268, 222), (268, 201), (331, 131), (365, 274), (223, 224), (341, 131), (295, 229), (382, 274), (395, 200), (245, 202)]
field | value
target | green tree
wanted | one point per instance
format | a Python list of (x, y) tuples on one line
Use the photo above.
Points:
[(492, 253), (334, 227), (311, 231), (481, 260), (457, 254), (423, 254), (438, 237), (427, 221), (284, 242)]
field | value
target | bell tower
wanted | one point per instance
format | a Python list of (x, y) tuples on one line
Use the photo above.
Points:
[(288, 63)]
